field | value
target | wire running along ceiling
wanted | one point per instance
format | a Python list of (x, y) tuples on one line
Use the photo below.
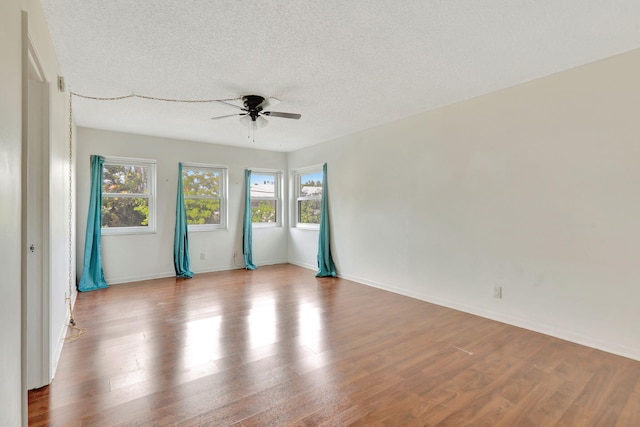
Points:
[(345, 66)]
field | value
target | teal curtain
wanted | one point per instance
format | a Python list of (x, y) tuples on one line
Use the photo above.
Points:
[(326, 268), (247, 228), (92, 272), (181, 236)]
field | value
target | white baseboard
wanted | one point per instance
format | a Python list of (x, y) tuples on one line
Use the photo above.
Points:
[(57, 351), (305, 265), (214, 269), (271, 262), (128, 279), (561, 333), (62, 333)]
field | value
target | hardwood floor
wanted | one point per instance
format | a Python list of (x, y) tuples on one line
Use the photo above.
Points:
[(277, 346)]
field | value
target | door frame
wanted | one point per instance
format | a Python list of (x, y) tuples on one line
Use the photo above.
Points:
[(36, 331)]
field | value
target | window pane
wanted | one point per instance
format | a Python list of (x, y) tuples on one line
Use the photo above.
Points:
[(125, 179), (201, 183), (309, 211), (125, 212), (310, 185), (202, 211), (263, 211), (263, 185)]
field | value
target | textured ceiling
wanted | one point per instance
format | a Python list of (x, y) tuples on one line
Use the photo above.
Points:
[(344, 65)]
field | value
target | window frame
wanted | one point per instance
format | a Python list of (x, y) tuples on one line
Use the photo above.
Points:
[(151, 185), (277, 180), (224, 196), (298, 198)]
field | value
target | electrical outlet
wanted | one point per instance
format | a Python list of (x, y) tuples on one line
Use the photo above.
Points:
[(497, 292), (202, 256)]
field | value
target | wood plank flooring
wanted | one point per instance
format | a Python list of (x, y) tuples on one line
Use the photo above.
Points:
[(278, 347)]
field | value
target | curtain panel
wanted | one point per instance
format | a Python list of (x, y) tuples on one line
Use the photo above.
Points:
[(92, 272), (247, 227), (181, 236), (326, 267)]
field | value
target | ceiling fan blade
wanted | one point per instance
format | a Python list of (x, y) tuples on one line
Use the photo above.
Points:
[(269, 102), (228, 115), (283, 115), (231, 105)]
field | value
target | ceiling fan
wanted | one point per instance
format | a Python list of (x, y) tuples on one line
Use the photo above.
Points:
[(255, 109)]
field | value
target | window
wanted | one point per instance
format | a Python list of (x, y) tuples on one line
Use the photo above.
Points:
[(308, 187), (128, 196), (205, 196), (266, 198)]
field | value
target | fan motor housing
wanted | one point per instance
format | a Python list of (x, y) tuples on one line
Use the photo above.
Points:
[(251, 102)]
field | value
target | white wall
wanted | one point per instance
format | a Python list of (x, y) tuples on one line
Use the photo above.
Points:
[(11, 388), (143, 256), (10, 196), (533, 188)]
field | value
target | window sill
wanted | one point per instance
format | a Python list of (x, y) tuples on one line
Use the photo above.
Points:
[(257, 225), (307, 226), (192, 229), (122, 231)]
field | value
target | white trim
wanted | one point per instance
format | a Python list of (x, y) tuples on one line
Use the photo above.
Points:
[(238, 266), (295, 199), (120, 231), (216, 269), (223, 196), (61, 337), (59, 343), (203, 228), (151, 196), (261, 225), (141, 278), (554, 331), (32, 56), (138, 278), (305, 265), (113, 160), (279, 195), (37, 359), (204, 165), (306, 169), (265, 170), (305, 226)]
